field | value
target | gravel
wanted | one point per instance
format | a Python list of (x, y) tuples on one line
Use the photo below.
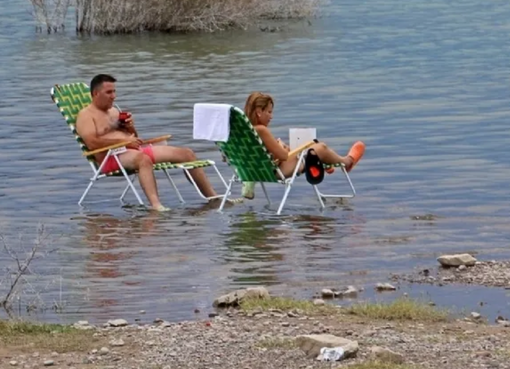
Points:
[(267, 341)]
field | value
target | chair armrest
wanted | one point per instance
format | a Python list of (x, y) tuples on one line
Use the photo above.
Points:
[(106, 148), (121, 144), (157, 139), (298, 150), (301, 148)]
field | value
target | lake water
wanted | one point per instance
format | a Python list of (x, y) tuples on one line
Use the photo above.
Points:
[(423, 84)]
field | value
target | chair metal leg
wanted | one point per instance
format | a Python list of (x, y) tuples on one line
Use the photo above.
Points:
[(124, 193), (196, 186), (288, 186), (221, 177), (91, 183), (174, 186), (229, 187), (290, 182), (353, 191), (317, 192), (265, 193), (129, 180)]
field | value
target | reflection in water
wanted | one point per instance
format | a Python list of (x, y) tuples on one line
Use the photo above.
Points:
[(256, 242), (113, 243)]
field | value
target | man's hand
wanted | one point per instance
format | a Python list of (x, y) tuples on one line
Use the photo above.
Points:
[(134, 142), (129, 122)]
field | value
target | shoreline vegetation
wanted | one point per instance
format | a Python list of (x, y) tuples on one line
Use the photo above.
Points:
[(134, 16)]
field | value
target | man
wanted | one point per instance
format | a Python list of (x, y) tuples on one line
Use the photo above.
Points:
[(98, 125)]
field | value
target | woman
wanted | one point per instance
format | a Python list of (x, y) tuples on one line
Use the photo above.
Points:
[(259, 109)]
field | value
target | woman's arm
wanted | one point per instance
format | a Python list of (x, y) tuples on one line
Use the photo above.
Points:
[(272, 145)]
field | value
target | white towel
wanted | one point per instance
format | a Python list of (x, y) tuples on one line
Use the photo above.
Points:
[(211, 122)]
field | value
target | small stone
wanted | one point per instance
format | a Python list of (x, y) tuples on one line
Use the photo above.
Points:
[(385, 287), (285, 324), (213, 315), (104, 351), (197, 311), (319, 302), (94, 351), (158, 320), (386, 355), (88, 360), (235, 298), (54, 354), (327, 293), (117, 323), (462, 267), (142, 311), (312, 344), (48, 363), (117, 343), (292, 314), (456, 260), (475, 315), (349, 291), (13, 363)]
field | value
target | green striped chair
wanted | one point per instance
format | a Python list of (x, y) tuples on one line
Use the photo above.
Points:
[(73, 97), (251, 161)]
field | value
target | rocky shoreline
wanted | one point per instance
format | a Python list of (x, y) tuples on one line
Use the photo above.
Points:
[(269, 340), (482, 273), (271, 332)]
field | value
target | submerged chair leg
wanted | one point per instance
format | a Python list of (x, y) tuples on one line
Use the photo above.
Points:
[(229, 188), (91, 183), (288, 187), (174, 186), (290, 182), (265, 193), (319, 197)]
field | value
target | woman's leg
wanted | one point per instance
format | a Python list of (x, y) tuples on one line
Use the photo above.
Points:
[(327, 156)]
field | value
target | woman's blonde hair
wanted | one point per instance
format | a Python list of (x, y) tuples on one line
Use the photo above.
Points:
[(254, 101)]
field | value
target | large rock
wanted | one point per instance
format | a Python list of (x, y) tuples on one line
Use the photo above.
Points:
[(236, 297), (456, 260), (312, 344), (386, 355)]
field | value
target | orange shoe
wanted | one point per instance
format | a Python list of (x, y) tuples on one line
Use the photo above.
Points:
[(356, 153)]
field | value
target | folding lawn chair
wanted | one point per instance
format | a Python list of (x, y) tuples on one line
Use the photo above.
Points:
[(73, 97), (251, 161)]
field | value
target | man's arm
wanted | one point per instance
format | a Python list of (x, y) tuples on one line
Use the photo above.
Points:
[(86, 128)]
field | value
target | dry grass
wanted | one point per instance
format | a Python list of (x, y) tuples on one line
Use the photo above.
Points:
[(286, 305), (402, 309), (128, 16), (24, 336)]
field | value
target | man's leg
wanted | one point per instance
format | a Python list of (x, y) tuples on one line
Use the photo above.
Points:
[(137, 160), (179, 155)]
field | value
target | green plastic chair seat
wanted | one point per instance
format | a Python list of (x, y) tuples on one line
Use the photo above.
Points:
[(245, 151)]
